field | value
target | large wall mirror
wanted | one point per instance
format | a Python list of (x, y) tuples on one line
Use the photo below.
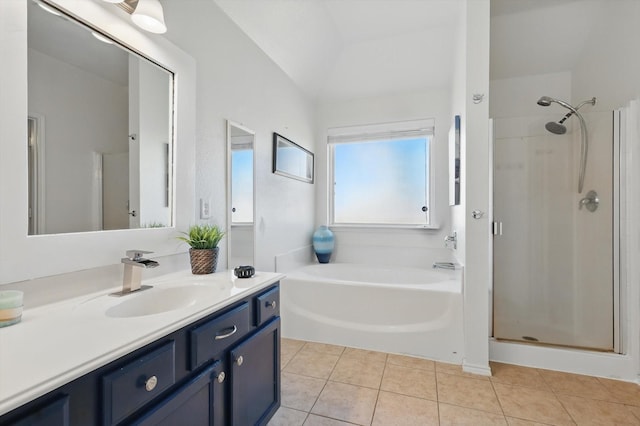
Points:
[(112, 130), (240, 190), (100, 138)]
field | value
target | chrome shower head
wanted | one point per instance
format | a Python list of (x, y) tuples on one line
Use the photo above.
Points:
[(545, 101), (556, 128)]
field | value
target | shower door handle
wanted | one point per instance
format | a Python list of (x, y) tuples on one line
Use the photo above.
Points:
[(496, 228)]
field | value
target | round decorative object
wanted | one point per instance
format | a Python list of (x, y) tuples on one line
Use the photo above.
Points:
[(204, 261), (244, 271), (323, 243)]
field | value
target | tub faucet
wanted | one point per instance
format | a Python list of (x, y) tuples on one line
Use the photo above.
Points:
[(444, 265), (134, 263)]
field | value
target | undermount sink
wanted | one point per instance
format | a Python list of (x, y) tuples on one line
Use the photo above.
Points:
[(158, 300)]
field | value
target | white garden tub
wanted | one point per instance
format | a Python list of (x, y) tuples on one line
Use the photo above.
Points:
[(397, 310)]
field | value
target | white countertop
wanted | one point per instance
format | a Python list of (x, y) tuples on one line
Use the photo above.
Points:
[(57, 343)]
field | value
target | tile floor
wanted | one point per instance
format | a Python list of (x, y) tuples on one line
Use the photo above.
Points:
[(333, 385)]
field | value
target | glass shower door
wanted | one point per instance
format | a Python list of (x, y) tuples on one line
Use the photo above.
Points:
[(553, 261)]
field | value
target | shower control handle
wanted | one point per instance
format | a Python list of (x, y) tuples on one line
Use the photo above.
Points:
[(591, 201)]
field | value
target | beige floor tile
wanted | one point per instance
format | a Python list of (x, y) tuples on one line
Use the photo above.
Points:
[(410, 382), (300, 392), (411, 362), (512, 421), (287, 417), (314, 420), (364, 354), (625, 392), (467, 392), (345, 402), (634, 410), (517, 375), (361, 372), (575, 385), (401, 410), (591, 412), (443, 367), (313, 364), (324, 348), (460, 416), (531, 404), (288, 348)]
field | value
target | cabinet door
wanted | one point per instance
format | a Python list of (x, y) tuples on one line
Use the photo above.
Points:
[(55, 413), (190, 404), (255, 377)]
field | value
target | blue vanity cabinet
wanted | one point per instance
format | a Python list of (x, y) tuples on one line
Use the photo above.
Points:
[(223, 369), (255, 376), (191, 404), (53, 413)]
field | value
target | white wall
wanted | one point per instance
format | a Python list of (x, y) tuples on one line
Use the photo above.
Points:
[(477, 269), (410, 247), (97, 109), (237, 81), (609, 66)]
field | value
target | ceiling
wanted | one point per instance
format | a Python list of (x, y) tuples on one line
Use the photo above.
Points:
[(347, 49), (337, 50)]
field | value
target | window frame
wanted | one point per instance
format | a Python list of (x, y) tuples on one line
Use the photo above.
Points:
[(383, 132)]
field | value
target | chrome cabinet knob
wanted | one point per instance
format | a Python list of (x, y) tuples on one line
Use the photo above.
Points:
[(151, 383), (239, 360), (221, 377), (272, 304)]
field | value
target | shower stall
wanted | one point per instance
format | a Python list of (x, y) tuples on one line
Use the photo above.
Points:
[(555, 207)]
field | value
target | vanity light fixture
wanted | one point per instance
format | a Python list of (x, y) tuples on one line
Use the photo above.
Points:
[(149, 16), (146, 14)]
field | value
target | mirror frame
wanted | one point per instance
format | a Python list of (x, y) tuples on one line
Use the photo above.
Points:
[(228, 189), (308, 177), (24, 257)]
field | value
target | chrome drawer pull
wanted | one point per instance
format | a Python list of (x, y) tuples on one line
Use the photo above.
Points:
[(150, 383), (271, 304), (230, 333), (221, 377), (239, 360)]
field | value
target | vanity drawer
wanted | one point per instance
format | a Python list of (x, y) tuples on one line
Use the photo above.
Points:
[(267, 305), (138, 382), (216, 335)]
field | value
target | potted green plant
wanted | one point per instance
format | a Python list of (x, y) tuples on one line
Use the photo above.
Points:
[(203, 240)]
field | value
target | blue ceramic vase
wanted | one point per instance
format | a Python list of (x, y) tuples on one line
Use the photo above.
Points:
[(323, 243)]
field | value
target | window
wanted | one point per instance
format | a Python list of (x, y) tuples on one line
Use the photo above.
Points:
[(381, 174)]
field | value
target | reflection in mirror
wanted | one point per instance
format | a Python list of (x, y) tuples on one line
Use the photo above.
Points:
[(240, 179), (100, 137)]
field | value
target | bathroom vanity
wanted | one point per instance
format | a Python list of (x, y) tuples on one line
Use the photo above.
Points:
[(192, 350)]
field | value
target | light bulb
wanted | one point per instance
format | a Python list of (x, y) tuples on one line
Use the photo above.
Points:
[(149, 16)]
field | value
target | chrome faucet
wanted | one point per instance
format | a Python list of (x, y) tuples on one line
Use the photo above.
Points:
[(134, 263), (444, 265)]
